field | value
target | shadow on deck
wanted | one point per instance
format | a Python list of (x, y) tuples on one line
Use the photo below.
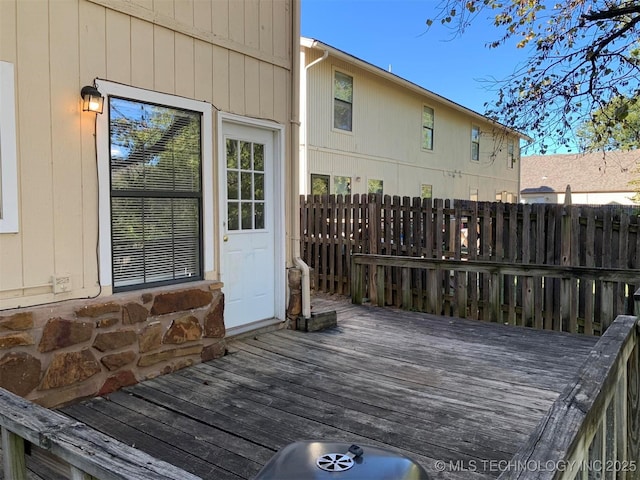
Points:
[(462, 392)]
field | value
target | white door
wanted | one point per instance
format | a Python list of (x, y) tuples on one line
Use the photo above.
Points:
[(248, 216)]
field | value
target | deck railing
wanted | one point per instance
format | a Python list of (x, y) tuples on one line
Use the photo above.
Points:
[(549, 297), (593, 428), (89, 454)]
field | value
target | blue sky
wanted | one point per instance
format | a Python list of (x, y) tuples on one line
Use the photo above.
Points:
[(394, 32)]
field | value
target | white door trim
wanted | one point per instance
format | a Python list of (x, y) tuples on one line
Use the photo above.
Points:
[(278, 197)]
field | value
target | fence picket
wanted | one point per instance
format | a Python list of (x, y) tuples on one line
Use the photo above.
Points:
[(333, 228)]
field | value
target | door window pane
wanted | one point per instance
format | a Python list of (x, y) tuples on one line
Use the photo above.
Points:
[(246, 184)]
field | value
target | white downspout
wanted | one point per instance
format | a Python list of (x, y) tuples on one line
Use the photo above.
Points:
[(304, 167)]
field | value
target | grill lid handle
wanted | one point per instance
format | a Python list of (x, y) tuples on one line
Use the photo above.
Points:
[(355, 451)]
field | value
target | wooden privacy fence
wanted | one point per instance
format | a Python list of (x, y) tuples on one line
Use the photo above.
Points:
[(549, 297), (86, 454), (335, 227)]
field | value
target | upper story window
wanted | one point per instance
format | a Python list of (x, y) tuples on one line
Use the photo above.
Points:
[(427, 128), (8, 152), (156, 194), (342, 101), (511, 153), (475, 143)]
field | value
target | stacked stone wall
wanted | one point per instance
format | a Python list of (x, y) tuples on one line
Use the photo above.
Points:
[(55, 354)]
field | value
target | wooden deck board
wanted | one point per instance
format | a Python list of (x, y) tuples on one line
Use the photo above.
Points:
[(433, 388)]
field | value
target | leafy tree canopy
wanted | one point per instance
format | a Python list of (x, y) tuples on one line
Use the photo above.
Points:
[(583, 55), (614, 126)]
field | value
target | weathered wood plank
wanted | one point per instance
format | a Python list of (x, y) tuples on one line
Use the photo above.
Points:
[(503, 268), (389, 399), (142, 442), (78, 445), (633, 405), (581, 404), (435, 389), (199, 442), (13, 461)]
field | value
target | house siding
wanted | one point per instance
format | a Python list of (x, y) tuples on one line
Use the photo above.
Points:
[(386, 139), (231, 59), (234, 54)]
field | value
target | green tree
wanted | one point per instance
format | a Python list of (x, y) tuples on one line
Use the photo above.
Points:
[(615, 126), (582, 55)]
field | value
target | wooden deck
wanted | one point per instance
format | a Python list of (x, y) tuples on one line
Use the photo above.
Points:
[(459, 391)]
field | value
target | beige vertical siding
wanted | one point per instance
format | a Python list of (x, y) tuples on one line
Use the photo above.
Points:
[(386, 139), (235, 54)]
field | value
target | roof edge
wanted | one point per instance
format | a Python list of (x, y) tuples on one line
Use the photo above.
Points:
[(312, 43)]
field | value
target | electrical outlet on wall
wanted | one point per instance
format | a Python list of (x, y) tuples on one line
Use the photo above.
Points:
[(61, 283)]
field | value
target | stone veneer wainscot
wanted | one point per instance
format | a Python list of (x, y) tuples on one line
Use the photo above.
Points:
[(55, 354)]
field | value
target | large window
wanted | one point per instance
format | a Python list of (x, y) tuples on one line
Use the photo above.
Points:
[(342, 101), (427, 128), (156, 194), (475, 143), (8, 152)]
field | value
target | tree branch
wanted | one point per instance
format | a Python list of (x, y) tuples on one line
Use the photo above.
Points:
[(612, 13)]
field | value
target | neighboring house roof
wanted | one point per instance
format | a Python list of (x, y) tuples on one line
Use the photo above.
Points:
[(312, 43), (585, 172)]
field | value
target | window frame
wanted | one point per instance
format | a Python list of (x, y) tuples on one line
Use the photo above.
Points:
[(334, 99), (9, 218), (240, 201), (111, 89), (475, 140), (511, 153), (349, 184), (323, 176), (369, 180), (424, 127)]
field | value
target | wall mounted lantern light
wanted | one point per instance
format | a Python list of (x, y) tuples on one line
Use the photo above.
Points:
[(92, 101)]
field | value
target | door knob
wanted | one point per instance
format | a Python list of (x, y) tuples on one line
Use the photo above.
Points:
[(225, 238)]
